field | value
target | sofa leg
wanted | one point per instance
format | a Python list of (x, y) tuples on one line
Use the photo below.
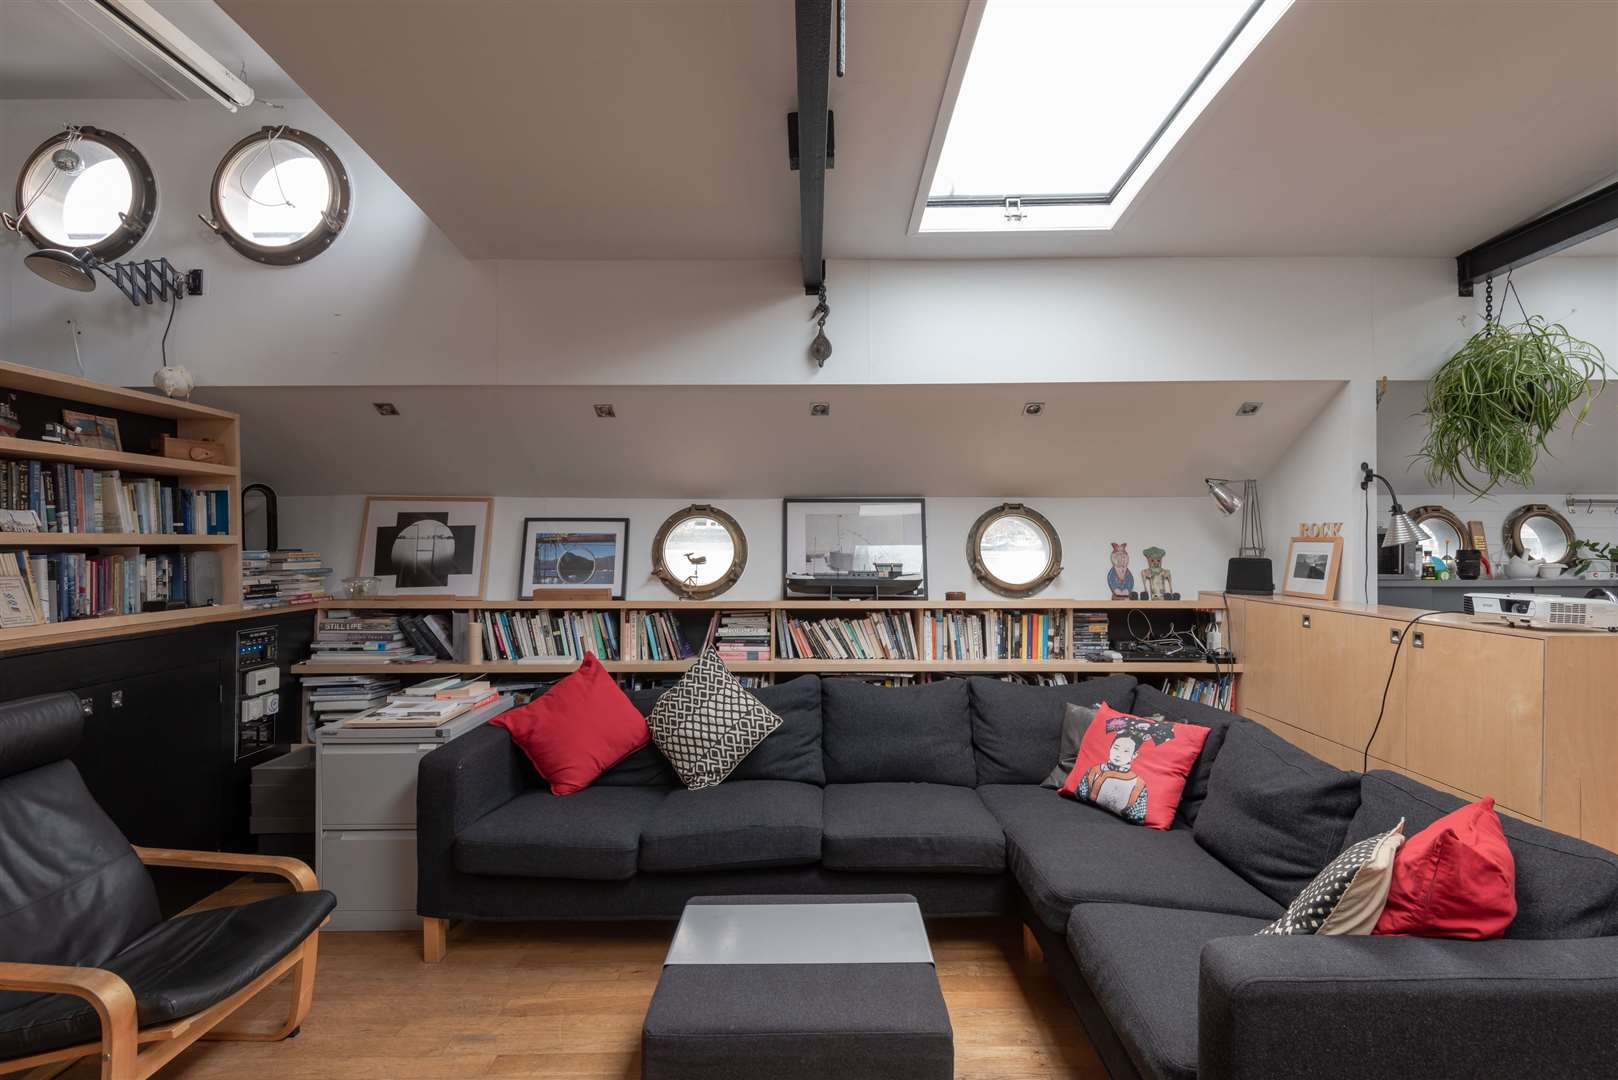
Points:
[(1031, 951), (434, 939)]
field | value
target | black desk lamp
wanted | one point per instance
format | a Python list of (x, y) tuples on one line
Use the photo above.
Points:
[(1249, 573), (1401, 529)]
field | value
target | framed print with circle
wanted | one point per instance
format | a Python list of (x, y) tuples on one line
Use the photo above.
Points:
[(424, 546), (573, 553), (1312, 566)]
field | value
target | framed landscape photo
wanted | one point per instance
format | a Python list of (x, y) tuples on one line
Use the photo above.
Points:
[(424, 546), (1312, 565), (96, 432), (848, 548), (573, 553)]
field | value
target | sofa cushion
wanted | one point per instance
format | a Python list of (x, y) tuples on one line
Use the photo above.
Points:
[(737, 824), (921, 734), (791, 752), (707, 722), (918, 827), (1149, 700), (646, 767), (1275, 814), (1566, 888), (1134, 767), (1063, 853), (593, 835), (578, 729), (1144, 966), (1017, 728)]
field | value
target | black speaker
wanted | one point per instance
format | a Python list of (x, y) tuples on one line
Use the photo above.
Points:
[(1254, 577)]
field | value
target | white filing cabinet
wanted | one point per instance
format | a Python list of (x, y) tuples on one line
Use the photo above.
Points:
[(365, 817)]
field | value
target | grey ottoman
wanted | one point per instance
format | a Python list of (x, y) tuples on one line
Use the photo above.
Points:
[(798, 988)]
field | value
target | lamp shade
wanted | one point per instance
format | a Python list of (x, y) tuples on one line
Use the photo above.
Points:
[(62, 268), (1228, 501), (1401, 529)]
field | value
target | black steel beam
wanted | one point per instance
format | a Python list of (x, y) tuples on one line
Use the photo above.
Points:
[(814, 100), (1547, 234)]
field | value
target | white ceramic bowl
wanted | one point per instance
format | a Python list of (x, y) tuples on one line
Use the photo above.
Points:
[(1551, 570)]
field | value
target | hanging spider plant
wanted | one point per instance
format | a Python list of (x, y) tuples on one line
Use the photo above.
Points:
[(1491, 406)]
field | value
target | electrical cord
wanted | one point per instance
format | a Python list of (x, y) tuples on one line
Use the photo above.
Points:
[(1404, 635), (174, 305)]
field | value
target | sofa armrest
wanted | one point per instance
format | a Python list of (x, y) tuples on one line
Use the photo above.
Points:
[(456, 785), (1324, 1007)]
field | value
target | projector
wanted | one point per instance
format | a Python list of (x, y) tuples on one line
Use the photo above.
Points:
[(1542, 612)]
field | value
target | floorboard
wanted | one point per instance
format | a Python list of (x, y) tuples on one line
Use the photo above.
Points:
[(566, 1002)]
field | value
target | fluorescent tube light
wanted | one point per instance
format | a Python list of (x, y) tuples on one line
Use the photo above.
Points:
[(157, 35)]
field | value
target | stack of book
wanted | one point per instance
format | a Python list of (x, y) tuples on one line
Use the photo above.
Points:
[(270, 578), (538, 636), (432, 635), (1219, 692), (1040, 678), (338, 697), (348, 637), (427, 705), (1091, 634), (884, 635), (74, 499), (953, 635), (656, 635), (1021, 635), (64, 585), (742, 635)]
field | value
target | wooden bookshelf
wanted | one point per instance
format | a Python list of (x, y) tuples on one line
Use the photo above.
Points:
[(179, 418), (911, 609)]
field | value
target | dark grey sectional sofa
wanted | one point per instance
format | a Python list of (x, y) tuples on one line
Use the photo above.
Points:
[(934, 791)]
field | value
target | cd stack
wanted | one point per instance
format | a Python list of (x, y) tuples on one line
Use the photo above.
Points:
[(1090, 634)]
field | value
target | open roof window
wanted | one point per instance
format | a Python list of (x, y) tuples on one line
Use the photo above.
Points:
[(1057, 111)]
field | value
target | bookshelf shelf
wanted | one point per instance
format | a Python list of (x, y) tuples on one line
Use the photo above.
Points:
[(444, 603), (742, 667), (41, 395)]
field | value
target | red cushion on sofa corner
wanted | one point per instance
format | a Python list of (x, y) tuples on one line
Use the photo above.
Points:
[(578, 729), (1454, 879)]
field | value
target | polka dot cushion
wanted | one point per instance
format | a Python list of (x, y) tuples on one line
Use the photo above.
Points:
[(1348, 896)]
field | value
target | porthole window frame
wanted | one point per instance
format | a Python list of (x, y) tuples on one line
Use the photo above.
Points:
[(143, 195), (675, 583), (986, 577), (1511, 531), (1421, 514), (300, 251)]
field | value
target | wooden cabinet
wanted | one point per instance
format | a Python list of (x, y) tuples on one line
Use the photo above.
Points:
[(1267, 642), (1343, 667)]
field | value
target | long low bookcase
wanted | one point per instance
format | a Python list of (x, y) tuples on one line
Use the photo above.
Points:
[(702, 613)]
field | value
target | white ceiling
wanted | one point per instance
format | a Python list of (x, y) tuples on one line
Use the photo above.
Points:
[(47, 51), (1583, 461), (619, 129), (1093, 439)]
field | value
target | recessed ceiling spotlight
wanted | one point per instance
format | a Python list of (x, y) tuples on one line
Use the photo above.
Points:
[(606, 411), (1249, 408), (1033, 408), (820, 408), (385, 408)]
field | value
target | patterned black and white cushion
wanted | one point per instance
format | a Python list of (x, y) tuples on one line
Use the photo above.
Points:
[(707, 722), (1348, 896)]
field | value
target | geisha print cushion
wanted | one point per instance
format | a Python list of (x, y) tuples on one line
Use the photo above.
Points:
[(1135, 766)]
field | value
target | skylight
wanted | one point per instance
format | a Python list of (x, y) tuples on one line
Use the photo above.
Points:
[(1065, 107)]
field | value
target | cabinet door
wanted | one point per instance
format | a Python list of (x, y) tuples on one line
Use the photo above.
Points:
[(1269, 658), (1343, 664), (1475, 714)]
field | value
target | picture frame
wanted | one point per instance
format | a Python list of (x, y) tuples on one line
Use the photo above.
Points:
[(423, 545), (567, 554), (1312, 567), (90, 430), (849, 548)]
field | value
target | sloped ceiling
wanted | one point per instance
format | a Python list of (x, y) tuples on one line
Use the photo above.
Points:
[(1093, 439), (618, 129)]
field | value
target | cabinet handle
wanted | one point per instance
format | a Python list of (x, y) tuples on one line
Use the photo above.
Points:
[(1393, 635), (1417, 640), (1306, 622)]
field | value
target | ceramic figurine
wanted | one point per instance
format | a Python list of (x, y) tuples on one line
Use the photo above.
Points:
[(1119, 579), (1159, 582), (175, 382)]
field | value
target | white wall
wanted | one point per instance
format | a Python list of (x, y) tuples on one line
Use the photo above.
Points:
[(1197, 538)]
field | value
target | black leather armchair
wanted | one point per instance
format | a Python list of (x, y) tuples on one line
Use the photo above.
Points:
[(87, 965)]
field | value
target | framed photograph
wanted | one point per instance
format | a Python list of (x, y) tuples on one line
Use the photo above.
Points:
[(844, 548), (1312, 565), (573, 553), (423, 546), (96, 432)]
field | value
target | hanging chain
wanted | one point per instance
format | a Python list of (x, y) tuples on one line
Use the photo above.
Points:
[(1488, 302)]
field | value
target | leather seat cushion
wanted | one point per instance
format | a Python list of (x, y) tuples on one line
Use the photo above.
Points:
[(176, 969)]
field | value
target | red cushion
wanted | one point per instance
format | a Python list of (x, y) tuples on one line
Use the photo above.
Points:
[(578, 729), (1135, 767), (1456, 878)]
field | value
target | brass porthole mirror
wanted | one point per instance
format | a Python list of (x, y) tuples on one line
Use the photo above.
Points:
[(1014, 550), (1443, 534), (699, 552), (1536, 531)]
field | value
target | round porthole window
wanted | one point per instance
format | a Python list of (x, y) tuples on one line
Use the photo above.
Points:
[(699, 552), (1013, 550), (280, 196), (86, 189)]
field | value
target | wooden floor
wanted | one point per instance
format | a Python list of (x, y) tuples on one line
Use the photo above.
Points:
[(567, 1002)]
